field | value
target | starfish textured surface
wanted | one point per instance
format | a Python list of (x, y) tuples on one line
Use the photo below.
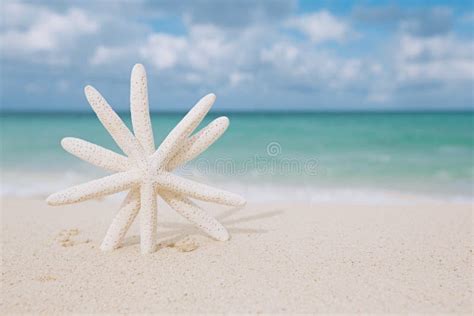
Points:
[(146, 172)]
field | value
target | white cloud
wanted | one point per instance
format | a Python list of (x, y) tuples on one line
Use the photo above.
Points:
[(443, 58), (280, 52), (320, 26), (192, 77), (203, 47), (253, 57), (443, 61), (312, 66), (237, 78), (107, 55), (30, 29), (351, 69), (205, 52), (208, 45), (164, 50)]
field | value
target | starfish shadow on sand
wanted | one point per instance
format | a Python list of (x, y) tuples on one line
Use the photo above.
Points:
[(180, 231)]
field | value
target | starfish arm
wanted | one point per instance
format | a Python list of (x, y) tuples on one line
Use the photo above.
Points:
[(94, 189), (122, 221), (147, 218), (196, 215), (199, 142), (94, 154), (185, 127), (139, 109), (196, 190), (113, 123)]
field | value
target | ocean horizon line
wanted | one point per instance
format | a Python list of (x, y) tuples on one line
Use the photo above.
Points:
[(253, 112)]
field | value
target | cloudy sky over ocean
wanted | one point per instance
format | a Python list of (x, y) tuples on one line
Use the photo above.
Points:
[(255, 55)]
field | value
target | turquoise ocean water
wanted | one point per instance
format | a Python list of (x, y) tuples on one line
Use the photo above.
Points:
[(306, 156)]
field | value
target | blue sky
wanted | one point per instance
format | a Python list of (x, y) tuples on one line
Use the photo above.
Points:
[(255, 55)]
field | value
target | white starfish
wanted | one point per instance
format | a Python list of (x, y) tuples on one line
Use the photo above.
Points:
[(146, 172)]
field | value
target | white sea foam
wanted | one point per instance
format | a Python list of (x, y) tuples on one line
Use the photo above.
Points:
[(347, 195), (40, 185)]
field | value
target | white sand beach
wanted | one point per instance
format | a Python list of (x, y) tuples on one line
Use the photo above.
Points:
[(408, 257)]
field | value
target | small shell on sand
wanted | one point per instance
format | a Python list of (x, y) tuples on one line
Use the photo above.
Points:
[(65, 238), (185, 246)]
